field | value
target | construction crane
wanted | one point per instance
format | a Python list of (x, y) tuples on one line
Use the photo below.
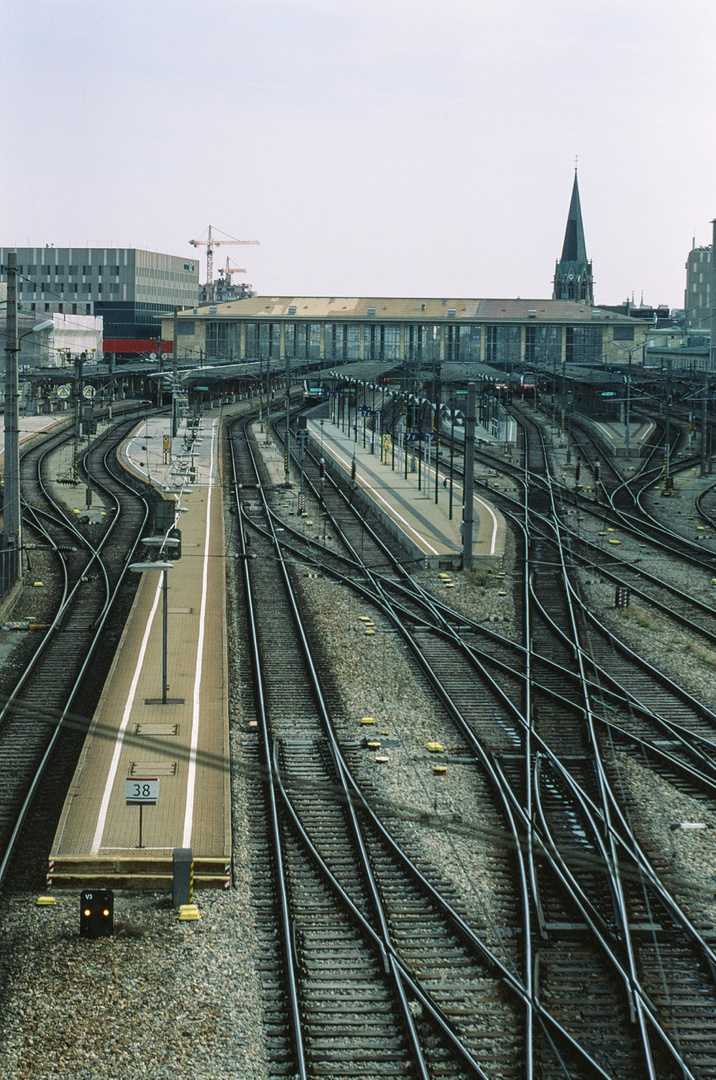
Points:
[(210, 244), (228, 270)]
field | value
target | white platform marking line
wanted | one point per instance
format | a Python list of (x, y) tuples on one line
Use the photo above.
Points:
[(491, 512), (191, 773), (104, 807)]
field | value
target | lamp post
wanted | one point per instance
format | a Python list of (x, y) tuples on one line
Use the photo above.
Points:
[(164, 567)]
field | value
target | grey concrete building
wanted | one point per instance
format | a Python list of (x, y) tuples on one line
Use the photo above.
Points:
[(697, 299), (128, 287)]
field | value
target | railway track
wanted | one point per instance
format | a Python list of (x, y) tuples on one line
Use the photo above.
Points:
[(346, 975), (591, 913), (86, 596)]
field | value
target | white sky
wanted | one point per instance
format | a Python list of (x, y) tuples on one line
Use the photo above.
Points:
[(373, 147)]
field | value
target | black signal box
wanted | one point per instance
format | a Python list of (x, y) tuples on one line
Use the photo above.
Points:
[(96, 913)]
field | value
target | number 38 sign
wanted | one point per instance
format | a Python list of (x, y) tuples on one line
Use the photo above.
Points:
[(142, 790)]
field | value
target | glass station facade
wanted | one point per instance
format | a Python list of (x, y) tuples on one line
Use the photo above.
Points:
[(505, 333)]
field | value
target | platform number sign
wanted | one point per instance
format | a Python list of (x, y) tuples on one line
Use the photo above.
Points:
[(141, 790)]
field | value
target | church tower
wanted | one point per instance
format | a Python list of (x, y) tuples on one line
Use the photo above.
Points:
[(573, 273)]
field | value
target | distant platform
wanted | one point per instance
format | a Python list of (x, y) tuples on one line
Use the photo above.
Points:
[(418, 516)]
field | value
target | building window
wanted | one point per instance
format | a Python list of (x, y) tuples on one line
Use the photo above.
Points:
[(222, 339), (584, 344), (390, 343), (623, 333), (469, 344), (269, 339), (543, 344), (452, 343), (502, 345)]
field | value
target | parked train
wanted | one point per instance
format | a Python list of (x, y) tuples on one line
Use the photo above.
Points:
[(313, 392)]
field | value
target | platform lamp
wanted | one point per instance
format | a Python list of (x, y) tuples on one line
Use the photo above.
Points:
[(164, 567)]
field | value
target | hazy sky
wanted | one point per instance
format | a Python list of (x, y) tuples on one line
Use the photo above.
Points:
[(377, 147)]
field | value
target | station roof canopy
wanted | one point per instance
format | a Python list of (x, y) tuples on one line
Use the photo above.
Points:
[(408, 309)]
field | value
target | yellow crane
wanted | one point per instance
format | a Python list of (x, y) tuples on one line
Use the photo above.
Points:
[(228, 270), (210, 243)]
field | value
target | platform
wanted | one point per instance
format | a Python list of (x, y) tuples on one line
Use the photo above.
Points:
[(613, 435), (405, 499), (184, 742)]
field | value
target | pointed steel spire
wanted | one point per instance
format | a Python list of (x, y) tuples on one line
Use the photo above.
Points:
[(573, 272), (574, 249)]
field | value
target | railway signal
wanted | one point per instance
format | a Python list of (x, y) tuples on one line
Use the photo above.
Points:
[(96, 913)]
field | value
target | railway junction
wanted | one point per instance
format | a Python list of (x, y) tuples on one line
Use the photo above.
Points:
[(423, 715)]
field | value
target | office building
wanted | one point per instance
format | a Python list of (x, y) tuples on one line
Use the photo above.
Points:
[(127, 287)]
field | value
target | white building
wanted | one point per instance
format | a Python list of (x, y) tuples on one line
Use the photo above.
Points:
[(57, 344)]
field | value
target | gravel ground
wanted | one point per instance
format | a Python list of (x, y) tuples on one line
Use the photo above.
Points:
[(158, 996), (163, 996)]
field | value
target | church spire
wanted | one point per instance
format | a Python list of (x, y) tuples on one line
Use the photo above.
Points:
[(573, 272)]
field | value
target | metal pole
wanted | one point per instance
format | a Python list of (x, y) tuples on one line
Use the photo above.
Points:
[(704, 422), (287, 454), (468, 504), (175, 348), (712, 345), (164, 636), (88, 411), (437, 447), (12, 523), (420, 445), (261, 397), (628, 403), (78, 415), (452, 456), (667, 449), (268, 402)]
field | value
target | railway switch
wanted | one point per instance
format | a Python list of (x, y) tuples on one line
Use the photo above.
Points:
[(96, 913)]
